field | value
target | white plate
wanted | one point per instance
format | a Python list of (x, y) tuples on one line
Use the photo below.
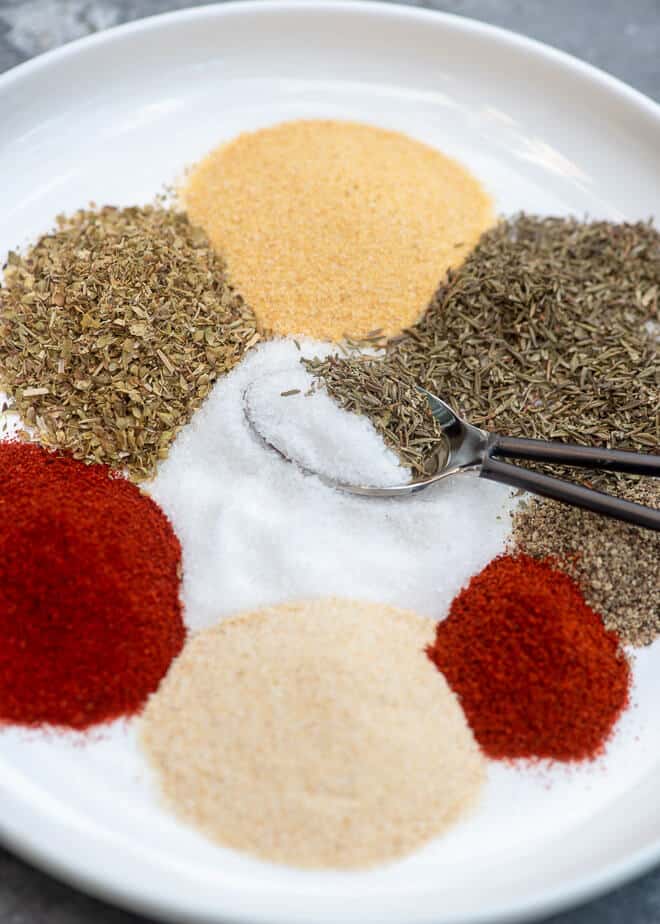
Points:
[(113, 117)]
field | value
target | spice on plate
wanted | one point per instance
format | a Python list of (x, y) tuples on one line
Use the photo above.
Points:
[(616, 565), (336, 228), (90, 617), (531, 663), (545, 331), (315, 733), (113, 330)]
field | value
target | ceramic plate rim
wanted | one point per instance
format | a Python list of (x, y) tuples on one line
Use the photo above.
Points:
[(18, 836)]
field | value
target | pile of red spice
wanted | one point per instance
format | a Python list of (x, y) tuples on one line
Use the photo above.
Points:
[(536, 672), (90, 617)]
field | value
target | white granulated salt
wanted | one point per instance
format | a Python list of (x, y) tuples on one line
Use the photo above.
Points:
[(256, 530)]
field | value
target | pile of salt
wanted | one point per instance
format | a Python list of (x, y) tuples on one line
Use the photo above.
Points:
[(256, 530)]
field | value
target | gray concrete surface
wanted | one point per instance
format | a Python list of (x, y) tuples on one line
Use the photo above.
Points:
[(619, 36)]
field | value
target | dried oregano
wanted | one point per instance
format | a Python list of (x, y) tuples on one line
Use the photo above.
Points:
[(545, 331), (113, 330)]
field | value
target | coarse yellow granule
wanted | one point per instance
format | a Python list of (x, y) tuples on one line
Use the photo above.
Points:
[(336, 228), (315, 733)]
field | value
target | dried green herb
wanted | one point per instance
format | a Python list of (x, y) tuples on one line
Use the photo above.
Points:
[(113, 330), (544, 331), (615, 564)]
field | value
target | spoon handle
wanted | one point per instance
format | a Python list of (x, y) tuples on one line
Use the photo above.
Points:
[(574, 494), (612, 460)]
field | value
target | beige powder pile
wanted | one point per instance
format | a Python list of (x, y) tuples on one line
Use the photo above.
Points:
[(317, 734), (336, 228)]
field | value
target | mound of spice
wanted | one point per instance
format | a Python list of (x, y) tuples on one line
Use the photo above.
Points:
[(314, 733), (543, 332), (336, 228), (90, 617), (113, 330), (616, 565), (531, 663)]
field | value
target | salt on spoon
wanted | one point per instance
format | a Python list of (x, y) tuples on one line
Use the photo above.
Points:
[(307, 427)]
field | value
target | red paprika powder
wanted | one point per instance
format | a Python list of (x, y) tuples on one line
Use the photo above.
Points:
[(90, 616), (533, 666)]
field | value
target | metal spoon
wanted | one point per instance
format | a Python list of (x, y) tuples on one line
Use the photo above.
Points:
[(468, 448)]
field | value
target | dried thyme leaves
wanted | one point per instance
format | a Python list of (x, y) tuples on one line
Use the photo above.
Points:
[(615, 564), (113, 329), (542, 332)]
